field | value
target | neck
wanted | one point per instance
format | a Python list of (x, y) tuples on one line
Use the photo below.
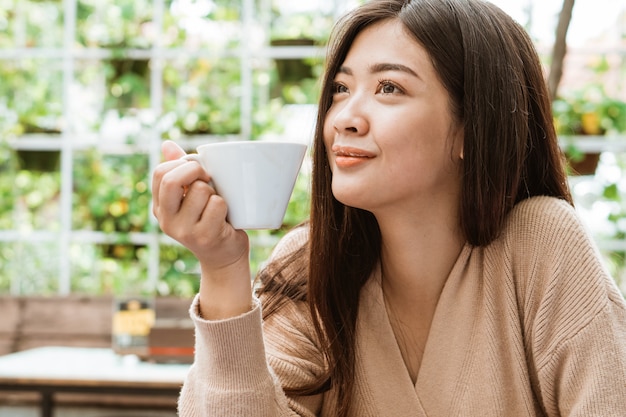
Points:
[(417, 256)]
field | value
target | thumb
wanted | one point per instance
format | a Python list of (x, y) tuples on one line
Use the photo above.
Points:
[(171, 150)]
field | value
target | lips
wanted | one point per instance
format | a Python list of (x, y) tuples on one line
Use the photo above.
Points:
[(347, 156)]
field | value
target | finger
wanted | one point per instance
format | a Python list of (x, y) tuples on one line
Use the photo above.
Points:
[(198, 195), (215, 213), (212, 220), (171, 150), (157, 177), (173, 184), (201, 219), (165, 167)]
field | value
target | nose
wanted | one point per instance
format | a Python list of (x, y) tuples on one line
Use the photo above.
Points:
[(351, 118)]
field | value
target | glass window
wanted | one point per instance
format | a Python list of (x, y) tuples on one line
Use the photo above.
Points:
[(90, 89)]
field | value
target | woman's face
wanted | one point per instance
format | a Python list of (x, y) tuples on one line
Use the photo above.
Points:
[(389, 134)]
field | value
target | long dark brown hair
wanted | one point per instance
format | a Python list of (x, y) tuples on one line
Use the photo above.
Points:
[(491, 70)]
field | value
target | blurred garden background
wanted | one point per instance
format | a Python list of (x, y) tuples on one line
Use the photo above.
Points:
[(90, 89)]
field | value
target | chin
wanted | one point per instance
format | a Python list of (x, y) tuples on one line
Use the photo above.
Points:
[(354, 200)]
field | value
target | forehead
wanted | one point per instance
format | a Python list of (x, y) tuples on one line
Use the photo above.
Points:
[(387, 41), (387, 46)]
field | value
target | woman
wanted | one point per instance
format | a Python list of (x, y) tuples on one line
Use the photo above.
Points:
[(443, 271)]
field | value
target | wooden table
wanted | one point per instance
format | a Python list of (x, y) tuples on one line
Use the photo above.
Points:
[(51, 370)]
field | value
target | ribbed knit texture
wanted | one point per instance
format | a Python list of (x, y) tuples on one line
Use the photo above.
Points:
[(531, 325)]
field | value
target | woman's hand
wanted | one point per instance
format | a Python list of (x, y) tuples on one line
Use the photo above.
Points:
[(189, 210)]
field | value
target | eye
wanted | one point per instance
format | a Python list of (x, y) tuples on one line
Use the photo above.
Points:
[(339, 88), (388, 87)]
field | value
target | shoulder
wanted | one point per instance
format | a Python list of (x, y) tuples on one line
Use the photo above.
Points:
[(537, 214), (545, 234), (552, 260), (544, 225), (563, 289), (555, 267)]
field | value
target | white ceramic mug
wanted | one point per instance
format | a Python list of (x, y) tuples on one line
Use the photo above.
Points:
[(255, 179)]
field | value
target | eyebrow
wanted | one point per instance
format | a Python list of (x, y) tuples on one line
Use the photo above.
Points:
[(382, 67)]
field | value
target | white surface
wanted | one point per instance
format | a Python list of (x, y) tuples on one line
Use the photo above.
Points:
[(87, 364), (32, 411)]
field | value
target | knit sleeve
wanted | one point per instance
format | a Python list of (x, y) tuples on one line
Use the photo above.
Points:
[(242, 363), (574, 315), (231, 375)]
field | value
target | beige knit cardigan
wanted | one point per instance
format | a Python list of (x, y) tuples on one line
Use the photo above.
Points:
[(531, 325)]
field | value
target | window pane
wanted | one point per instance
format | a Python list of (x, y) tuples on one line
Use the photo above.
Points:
[(7, 254), (127, 83), (87, 100), (111, 192), (302, 20), (8, 192), (179, 272), (34, 93), (37, 192), (30, 268), (203, 95), (203, 24), (116, 268), (31, 24), (115, 23)]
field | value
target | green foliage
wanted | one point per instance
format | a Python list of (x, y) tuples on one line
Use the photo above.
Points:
[(8, 166), (128, 83), (29, 267), (179, 272), (108, 269), (37, 195), (589, 112), (112, 192), (301, 26), (34, 94), (34, 23), (204, 95), (114, 23)]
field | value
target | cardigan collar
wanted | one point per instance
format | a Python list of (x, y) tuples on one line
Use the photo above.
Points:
[(379, 362)]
